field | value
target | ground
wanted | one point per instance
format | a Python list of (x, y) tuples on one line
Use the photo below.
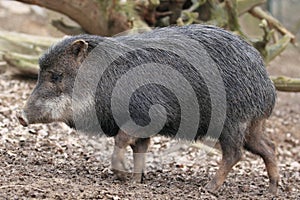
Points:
[(55, 162)]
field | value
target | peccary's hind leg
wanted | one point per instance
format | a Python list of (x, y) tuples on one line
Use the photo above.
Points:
[(257, 143), (139, 149), (231, 154)]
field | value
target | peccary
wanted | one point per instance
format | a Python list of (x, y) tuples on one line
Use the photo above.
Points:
[(218, 68)]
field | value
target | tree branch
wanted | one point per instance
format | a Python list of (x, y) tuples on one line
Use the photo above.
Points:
[(259, 13), (286, 84), (244, 6)]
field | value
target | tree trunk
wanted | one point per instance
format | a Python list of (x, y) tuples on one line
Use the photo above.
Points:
[(99, 17)]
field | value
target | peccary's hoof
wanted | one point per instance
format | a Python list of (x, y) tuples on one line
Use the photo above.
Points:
[(273, 189), (211, 187), (138, 177), (120, 175)]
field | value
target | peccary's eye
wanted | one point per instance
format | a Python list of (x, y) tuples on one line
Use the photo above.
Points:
[(56, 77)]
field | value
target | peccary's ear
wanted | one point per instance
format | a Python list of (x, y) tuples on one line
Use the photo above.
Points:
[(79, 49)]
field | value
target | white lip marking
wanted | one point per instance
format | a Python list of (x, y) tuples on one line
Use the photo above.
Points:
[(55, 107)]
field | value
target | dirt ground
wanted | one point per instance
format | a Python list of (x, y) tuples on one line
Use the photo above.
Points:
[(55, 162)]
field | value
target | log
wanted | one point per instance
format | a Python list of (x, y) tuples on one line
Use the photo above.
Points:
[(286, 84), (21, 51), (25, 43), (34, 40), (22, 65)]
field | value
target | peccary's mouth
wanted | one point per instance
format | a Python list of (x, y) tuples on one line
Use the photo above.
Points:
[(22, 118)]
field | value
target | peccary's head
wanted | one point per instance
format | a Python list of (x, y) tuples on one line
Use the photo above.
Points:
[(52, 97)]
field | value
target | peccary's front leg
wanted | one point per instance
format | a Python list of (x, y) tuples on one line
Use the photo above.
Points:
[(139, 147), (122, 140), (118, 162)]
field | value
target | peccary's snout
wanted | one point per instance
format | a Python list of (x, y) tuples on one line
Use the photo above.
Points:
[(22, 118)]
